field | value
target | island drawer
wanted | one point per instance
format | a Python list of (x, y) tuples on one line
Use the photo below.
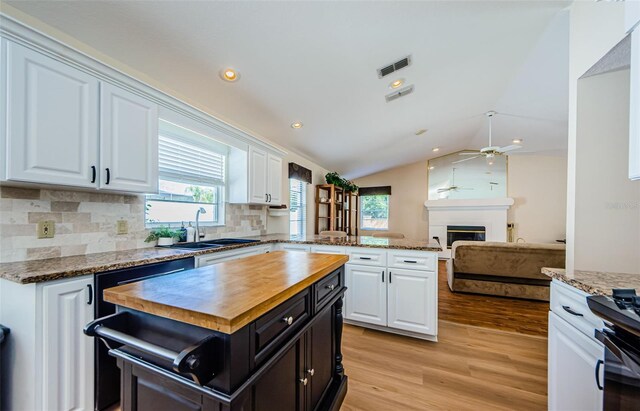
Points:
[(325, 289), (273, 328), (413, 260)]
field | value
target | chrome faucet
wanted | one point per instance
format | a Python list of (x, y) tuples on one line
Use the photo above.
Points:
[(200, 211)]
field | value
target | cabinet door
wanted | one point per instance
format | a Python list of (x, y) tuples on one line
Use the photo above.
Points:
[(52, 120), (258, 176), (366, 296), (67, 354), (281, 387), (634, 106), (573, 358), (128, 141), (321, 362), (413, 302), (274, 175)]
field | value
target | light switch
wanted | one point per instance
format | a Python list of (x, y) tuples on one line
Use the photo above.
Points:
[(46, 229), (122, 227)]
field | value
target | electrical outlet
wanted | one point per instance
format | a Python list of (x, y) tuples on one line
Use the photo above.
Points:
[(46, 229), (122, 227)]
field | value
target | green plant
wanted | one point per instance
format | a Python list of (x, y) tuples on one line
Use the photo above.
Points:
[(162, 232), (334, 178)]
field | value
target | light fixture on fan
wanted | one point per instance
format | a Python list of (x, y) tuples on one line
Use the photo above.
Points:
[(490, 151)]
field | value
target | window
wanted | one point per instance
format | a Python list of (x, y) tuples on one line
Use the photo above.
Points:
[(191, 175), (297, 207), (374, 211)]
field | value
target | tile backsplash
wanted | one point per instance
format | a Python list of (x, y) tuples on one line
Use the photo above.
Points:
[(86, 222)]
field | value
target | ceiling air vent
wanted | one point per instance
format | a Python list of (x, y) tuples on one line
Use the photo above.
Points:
[(385, 71), (400, 93)]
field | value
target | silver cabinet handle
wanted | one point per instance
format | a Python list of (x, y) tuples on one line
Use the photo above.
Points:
[(288, 320), (304, 381), (311, 372), (331, 287)]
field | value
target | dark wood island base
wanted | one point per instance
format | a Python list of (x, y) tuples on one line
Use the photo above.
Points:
[(288, 358)]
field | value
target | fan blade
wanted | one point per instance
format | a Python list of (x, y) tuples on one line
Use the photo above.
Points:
[(444, 190), (469, 153), (466, 159), (508, 148)]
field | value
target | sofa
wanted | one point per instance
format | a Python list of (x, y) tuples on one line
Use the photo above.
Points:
[(503, 269)]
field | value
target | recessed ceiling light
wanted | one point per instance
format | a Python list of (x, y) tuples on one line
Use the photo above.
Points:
[(297, 124), (421, 131), (397, 83), (436, 149), (517, 140), (229, 74), (431, 167)]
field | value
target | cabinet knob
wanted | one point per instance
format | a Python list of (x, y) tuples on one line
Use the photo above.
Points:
[(311, 372), (331, 287), (304, 381), (288, 320)]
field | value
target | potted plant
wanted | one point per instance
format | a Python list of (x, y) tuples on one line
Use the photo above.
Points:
[(164, 235)]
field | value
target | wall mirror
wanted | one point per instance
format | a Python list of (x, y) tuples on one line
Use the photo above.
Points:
[(451, 177)]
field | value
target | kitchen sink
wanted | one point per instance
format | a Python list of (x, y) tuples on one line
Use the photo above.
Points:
[(230, 241), (195, 246)]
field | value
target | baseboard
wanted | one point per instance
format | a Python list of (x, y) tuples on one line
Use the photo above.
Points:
[(432, 338)]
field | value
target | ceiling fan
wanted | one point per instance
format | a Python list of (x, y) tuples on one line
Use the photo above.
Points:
[(490, 151), (453, 186)]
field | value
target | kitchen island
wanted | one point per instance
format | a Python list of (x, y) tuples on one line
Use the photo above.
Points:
[(258, 333)]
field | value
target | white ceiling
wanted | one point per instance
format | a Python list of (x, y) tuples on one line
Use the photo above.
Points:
[(316, 62)]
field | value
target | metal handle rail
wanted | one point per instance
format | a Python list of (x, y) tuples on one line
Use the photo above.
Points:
[(196, 360)]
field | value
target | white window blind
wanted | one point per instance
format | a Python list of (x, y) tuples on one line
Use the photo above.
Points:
[(189, 163), (297, 207)]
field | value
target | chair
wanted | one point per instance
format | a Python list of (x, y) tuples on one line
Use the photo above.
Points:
[(387, 234), (333, 233)]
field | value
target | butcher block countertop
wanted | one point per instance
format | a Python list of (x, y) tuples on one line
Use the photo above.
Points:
[(227, 296)]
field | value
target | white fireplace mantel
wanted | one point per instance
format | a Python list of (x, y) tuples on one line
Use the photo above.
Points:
[(490, 213), (470, 204)]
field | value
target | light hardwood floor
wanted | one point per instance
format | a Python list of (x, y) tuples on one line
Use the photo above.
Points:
[(469, 368)]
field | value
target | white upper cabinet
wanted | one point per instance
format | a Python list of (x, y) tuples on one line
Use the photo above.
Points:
[(412, 300), (634, 106), (274, 182), (128, 141), (65, 127), (258, 178), (255, 177), (52, 120)]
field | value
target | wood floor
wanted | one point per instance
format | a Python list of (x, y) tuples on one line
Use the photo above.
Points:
[(469, 368)]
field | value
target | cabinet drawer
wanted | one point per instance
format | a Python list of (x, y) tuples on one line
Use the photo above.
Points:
[(570, 304), (325, 289), (367, 256), (274, 327), (295, 247), (416, 260), (328, 249)]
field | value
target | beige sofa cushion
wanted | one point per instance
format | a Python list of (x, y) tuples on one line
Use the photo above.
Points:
[(516, 260)]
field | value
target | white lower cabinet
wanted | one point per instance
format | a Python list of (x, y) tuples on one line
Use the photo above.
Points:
[(52, 360), (392, 299), (411, 294), (366, 296), (215, 258), (573, 367), (67, 355)]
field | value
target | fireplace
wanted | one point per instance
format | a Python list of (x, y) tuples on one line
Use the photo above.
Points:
[(465, 233)]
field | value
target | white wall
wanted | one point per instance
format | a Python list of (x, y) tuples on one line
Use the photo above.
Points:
[(607, 214), (595, 27), (409, 191), (538, 185)]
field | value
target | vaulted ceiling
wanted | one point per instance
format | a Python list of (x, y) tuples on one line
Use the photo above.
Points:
[(316, 62)]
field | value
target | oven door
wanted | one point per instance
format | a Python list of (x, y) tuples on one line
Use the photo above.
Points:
[(621, 371)]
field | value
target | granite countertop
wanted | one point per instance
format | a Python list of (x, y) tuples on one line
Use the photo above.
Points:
[(595, 282), (226, 296), (36, 271)]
